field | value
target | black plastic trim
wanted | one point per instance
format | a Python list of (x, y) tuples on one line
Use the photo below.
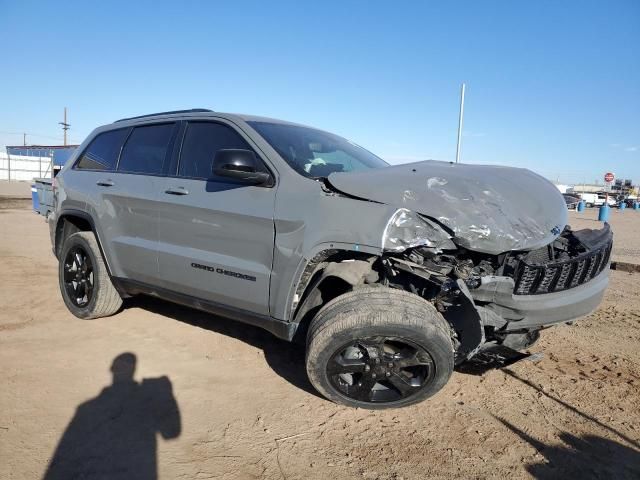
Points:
[(277, 327), (589, 264), (68, 212), (172, 112)]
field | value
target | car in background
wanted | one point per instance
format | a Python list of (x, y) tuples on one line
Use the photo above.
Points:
[(610, 200), (597, 199), (571, 200)]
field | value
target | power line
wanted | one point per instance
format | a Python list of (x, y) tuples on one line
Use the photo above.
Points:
[(37, 135), (31, 134)]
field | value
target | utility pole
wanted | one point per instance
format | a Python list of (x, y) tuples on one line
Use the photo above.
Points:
[(24, 139), (65, 125), (460, 123)]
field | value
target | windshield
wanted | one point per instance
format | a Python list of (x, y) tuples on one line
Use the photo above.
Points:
[(314, 153)]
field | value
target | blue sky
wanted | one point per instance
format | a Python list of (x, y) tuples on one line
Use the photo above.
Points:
[(552, 86)]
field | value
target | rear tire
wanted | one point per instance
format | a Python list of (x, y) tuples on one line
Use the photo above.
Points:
[(379, 348), (84, 281)]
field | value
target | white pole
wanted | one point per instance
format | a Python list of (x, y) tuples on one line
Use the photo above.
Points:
[(460, 123)]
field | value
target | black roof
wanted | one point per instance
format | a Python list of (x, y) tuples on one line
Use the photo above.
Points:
[(193, 110)]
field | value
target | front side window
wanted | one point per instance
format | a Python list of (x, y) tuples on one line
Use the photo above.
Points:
[(146, 149), (102, 152), (314, 153), (201, 142)]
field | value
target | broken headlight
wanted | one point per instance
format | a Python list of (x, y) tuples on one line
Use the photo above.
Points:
[(406, 229)]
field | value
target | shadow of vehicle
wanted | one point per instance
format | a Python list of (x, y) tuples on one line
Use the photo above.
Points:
[(571, 408), (287, 359), (114, 436), (587, 457)]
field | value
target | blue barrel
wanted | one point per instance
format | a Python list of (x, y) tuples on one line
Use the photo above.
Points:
[(34, 198), (636, 205), (603, 215), (580, 207), (622, 205)]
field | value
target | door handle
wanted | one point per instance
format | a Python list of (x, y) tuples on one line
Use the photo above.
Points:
[(177, 191), (105, 183)]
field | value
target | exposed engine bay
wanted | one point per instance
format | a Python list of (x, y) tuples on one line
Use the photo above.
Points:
[(438, 269), (453, 281)]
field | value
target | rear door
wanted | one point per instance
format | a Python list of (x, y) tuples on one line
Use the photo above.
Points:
[(126, 204), (216, 235)]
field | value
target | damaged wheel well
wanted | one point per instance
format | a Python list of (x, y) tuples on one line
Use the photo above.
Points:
[(328, 275), (333, 273)]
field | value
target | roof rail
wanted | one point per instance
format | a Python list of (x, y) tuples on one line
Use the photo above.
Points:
[(192, 110)]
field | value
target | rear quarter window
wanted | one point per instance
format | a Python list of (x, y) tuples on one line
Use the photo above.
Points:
[(102, 152)]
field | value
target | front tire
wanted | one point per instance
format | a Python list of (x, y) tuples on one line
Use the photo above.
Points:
[(85, 285), (379, 348)]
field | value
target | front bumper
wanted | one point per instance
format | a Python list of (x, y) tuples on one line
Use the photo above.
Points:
[(534, 311), (549, 293)]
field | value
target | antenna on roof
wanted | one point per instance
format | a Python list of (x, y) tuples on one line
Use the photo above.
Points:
[(65, 125)]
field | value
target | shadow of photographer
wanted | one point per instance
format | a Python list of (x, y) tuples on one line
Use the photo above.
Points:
[(114, 435)]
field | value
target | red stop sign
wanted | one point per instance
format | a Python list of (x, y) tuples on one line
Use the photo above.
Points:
[(608, 177)]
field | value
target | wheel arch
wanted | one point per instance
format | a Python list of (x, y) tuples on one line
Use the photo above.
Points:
[(327, 275), (72, 221)]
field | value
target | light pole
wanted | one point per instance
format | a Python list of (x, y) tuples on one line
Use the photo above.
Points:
[(460, 123)]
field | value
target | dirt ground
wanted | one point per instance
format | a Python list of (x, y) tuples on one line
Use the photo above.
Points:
[(245, 409)]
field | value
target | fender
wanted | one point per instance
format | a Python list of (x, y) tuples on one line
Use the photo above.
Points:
[(339, 277), (309, 265)]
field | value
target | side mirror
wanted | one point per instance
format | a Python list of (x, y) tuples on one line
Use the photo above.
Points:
[(240, 165)]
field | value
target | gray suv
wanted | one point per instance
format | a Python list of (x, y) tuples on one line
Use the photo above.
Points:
[(390, 275)]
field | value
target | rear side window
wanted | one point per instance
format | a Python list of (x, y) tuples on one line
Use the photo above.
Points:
[(146, 149), (102, 153), (201, 142)]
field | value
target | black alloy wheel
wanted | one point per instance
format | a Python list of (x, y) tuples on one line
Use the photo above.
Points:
[(376, 347), (78, 276), (380, 369)]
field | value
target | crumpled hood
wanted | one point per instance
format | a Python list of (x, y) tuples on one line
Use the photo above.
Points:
[(490, 209)]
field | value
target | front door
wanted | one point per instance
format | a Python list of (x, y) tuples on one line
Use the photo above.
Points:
[(216, 235)]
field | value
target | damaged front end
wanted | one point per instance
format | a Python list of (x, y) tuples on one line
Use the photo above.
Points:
[(502, 299), (443, 278)]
